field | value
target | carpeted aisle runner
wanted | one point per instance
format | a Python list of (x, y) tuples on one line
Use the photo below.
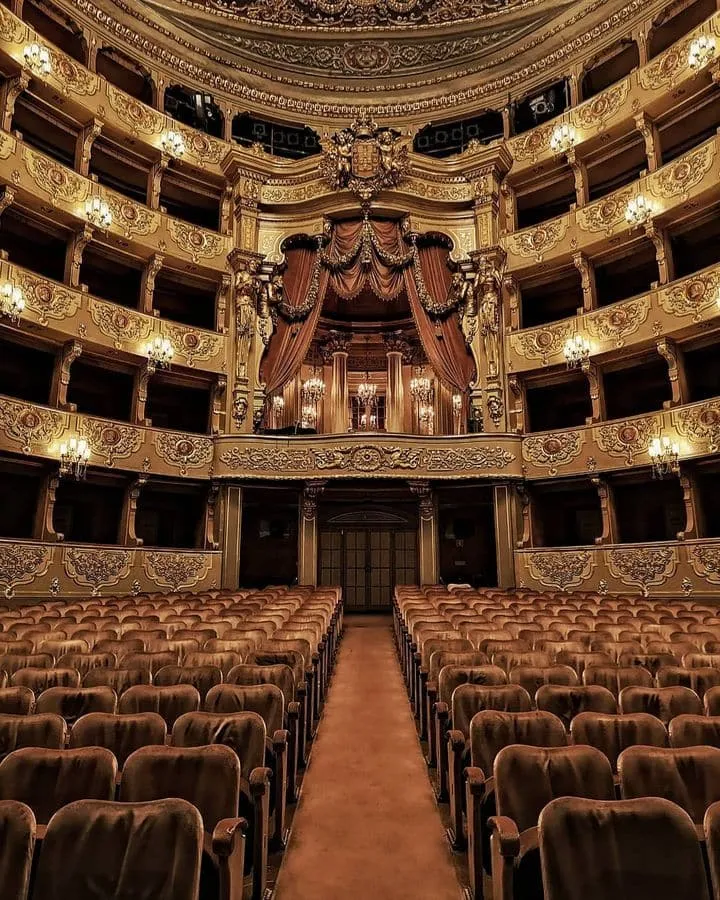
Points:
[(367, 825)]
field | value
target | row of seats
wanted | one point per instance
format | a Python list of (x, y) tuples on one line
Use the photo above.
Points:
[(222, 723), (515, 718)]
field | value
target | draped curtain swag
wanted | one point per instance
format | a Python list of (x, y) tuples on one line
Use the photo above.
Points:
[(374, 255)]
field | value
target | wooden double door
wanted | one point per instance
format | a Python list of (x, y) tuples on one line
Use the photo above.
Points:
[(368, 561)]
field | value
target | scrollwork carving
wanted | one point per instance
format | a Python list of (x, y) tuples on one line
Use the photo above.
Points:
[(22, 564), (120, 324), (627, 439), (30, 426), (96, 568), (553, 450), (195, 242), (184, 451), (47, 299), (561, 569), (619, 321), (642, 566), (109, 440), (176, 570)]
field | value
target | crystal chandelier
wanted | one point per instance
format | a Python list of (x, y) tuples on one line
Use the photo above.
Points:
[(308, 416), (159, 353), (426, 415), (74, 456), (173, 143), (97, 212), (638, 210), (421, 389), (313, 390), (368, 422), (576, 350), (367, 391), (278, 405), (37, 59), (12, 302), (563, 138), (665, 457), (701, 52)]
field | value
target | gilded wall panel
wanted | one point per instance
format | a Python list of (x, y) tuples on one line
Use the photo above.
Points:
[(553, 451), (21, 563), (562, 569), (177, 570), (96, 567)]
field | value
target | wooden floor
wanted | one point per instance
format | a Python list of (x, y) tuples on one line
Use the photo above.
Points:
[(367, 825)]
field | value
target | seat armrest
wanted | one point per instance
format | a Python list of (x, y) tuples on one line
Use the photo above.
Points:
[(279, 740), (507, 834), (456, 740), (475, 780), (293, 710), (260, 781), (227, 834), (442, 711)]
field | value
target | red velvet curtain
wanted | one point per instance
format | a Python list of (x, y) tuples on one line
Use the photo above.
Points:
[(441, 339), (386, 281), (291, 341)]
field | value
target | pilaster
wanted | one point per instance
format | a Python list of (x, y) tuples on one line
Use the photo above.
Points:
[(128, 535), (308, 532), (428, 532)]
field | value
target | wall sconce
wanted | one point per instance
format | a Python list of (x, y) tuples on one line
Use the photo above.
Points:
[(701, 52), (457, 405), (74, 456), (421, 389), (563, 138), (638, 210), (665, 457), (37, 59), (97, 212), (313, 390), (278, 404), (12, 302), (308, 416), (576, 350), (159, 354), (173, 143), (426, 417)]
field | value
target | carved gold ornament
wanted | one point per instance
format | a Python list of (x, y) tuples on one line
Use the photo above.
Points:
[(176, 570), (60, 183), (96, 568), (531, 145), (553, 450), (700, 424), (692, 297), (193, 346), (185, 452), (72, 77), (596, 112), (139, 118), (562, 569), (22, 564), (666, 69), (542, 343), (131, 218), (705, 561), (604, 215), (619, 321), (109, 440), (676, 179), (31, 426), (47, 299), (627, 439), (537, 241), (197, 243), (11, 29), (643, 566), (120, 324)]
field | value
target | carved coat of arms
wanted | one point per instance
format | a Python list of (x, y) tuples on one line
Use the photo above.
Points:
[(365, 158)]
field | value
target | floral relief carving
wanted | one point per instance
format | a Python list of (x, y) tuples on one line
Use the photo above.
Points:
[(553, 450), (31, 426), (537, 241), (176, 570), (605, 214), (465, 459), (260, 459), (367, 458), (561, 569), (693, 296), (705, 562), (130, 217), (21, 564), (184, 451), (73, 77), (136, 115), (627, 439), (199, 244), (120, 324), (542, 343), (531, 145), (204, 148), (96, 568), (619, 321), (643, 566), (47, 299), (666, 68), (60, 183), (194, 345), (597, 111), (8, 145), (676, 179), (11, 29), (110, 440), (701, 424)]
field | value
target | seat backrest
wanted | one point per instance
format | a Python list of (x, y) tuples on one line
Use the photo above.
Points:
[(12, 662), (567, 702), (206, 776), (16, 732), (615, 678), (245, 733), (71, 703), (120, 734), (695, 731), (150, 661), (665, 703), (528, 778), (452, 676), (468, 699), (39, 680), (491, 730), (611, 734), (699, 680), (701, 660), (464, 658), (711, 702), (212, 658), (580, 661), (508, 660), (17, 842), (650, 661), (84, 662), (532, 677), (689, 776), (170, 702), (279, 675), (16, 701), (202, 678), (117, 679), (48, 779), (94, 849), (264, 699), (641, 849)]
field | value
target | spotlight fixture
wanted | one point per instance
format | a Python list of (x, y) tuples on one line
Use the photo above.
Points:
[(576, 350), (665, 457), (74, 456), (701, 52), (159, 352), (37, 59), (12, 302), (173, 143), (563, 138), (638, 210), (98, 213)]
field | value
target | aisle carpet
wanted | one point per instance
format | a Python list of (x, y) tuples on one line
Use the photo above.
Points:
[(367, 825)]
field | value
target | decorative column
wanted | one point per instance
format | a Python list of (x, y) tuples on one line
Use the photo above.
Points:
[(308, 532), (147, 283), (61, 374), (694, 524), (398, 352), (483, 329), (648, 129), (511, 302), (607, 511), (663, 251), (485, 168), (504, 502), (231, 500), (74, 254), (597, 391), (244, 335), (140, 395), (128, 516), (428, 532), (217, 405), (580, 175), (517, 409), (336, 350), (675, 359), (210, 540), (523, 516)]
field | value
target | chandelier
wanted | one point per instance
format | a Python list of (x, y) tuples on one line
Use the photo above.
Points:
[(313, 390), (74, 456), (426, 414), (308, 416), (37, 59), (638, 210), (367, 391), (97, 212), (457, 405), (576, 350), (173, 143), (701, 52), (421, 389), (12, 302), (278, 404), (665, 457), (159, 353), (563, 138)]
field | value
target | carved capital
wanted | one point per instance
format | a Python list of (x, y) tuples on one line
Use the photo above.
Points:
[(310, 496), (154, 182), (336, 342), (147, 287), (396, 342), (7, 198), (646, 126), (426, 502), (129, 513), (663, 251), (587, 279), (673, 356), (597, 394)]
